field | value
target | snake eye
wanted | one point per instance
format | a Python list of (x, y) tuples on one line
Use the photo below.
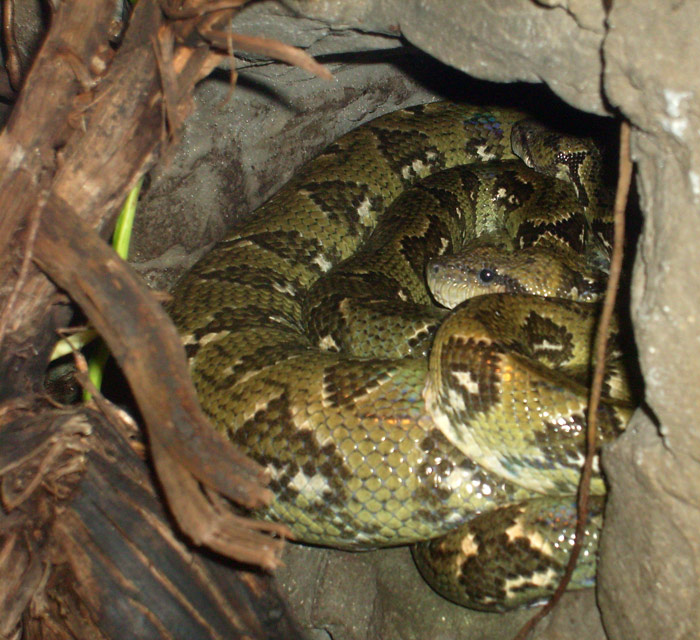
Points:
[(486, 276)]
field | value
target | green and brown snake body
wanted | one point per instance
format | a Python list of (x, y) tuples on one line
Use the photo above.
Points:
[(382, 417)]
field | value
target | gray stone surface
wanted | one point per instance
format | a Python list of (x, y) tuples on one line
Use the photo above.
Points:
[(498, 40), (224, 166), (380, 595), (650, 575), (641, 62)]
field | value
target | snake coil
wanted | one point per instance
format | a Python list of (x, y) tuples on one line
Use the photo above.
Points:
[(383, 417)]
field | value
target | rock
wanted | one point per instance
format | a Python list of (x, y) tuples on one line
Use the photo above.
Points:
[(361, 596), (649, 578)]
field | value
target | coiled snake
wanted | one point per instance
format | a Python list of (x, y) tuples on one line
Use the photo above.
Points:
[(309, 330)]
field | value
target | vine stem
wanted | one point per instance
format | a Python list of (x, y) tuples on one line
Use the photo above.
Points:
[(624, 179)]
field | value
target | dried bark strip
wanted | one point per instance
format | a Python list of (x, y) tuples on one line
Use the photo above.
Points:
[(138, 331)]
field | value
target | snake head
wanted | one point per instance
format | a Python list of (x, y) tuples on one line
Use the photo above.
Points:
[(569, 158), (539, 271)]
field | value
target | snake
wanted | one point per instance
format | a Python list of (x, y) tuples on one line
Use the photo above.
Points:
[(387, 412)]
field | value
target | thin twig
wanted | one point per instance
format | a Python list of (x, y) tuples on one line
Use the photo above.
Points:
[(600, 346), (233, 72), (270, 48), (198, 9), (6, 314), (12, 64)]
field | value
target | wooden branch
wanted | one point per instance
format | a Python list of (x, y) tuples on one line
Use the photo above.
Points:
[(125, 108), (28, 154), (30, 145), (185, 448)]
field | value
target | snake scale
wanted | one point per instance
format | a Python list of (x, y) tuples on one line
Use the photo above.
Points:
[(382, 417)]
